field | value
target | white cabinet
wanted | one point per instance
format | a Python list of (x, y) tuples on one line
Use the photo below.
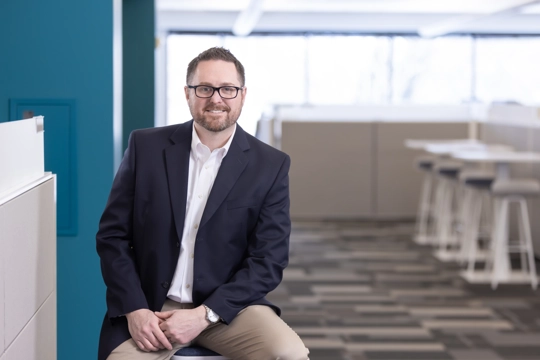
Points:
[(27, 246), (2, 281), (28, 258), (38, 338)]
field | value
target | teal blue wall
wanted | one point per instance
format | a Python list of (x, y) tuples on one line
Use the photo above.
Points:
[(138, 65), (63, 49)]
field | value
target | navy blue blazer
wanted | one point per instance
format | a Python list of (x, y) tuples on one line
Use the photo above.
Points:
[(242, 244)]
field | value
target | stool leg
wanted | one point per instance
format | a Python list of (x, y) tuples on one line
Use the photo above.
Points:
[(439, 208), (521, 236), (500, 265), (487, 215), (424, 207), (457, 224), (465, 213), (493, 236), (472, 237), (528, 242), (446, 221)]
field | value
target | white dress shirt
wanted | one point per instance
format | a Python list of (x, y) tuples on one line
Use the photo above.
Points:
[(203, 168)]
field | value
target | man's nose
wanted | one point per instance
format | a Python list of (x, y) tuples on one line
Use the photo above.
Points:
[(216, 97)]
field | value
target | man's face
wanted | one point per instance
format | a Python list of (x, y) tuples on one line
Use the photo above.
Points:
[(215, 113)]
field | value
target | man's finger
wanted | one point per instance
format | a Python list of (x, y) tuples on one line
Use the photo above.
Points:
[(149, 346), (163, 326), (160, 336), (164, 315), (154, 342), (140, 345)]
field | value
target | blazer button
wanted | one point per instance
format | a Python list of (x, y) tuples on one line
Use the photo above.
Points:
[(178, 244), (165, 284)]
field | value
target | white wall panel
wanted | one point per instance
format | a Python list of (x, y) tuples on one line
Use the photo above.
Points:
[(29, 256), (38, 339)]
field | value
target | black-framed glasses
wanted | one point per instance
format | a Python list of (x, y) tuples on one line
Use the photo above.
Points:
[(207, 91)]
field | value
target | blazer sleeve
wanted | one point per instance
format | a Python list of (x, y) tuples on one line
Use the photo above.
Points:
[(114, 241), (267, 255)]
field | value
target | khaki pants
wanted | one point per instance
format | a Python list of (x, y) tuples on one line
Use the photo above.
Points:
[(256, 333)]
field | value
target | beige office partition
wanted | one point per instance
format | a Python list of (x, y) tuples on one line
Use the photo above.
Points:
[(357, 170), (398, 181), (331, 173)]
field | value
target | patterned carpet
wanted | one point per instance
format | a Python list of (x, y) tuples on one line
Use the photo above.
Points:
[(365, 291)]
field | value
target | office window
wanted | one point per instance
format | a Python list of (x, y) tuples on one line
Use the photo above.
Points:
[(331, 69), (507, 70), (431, 71), (275, 73), (348, 69)]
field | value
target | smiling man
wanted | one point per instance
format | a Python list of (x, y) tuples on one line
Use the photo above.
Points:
[(196, 232)]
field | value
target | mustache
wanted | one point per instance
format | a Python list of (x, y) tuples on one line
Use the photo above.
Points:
[(210, 108)]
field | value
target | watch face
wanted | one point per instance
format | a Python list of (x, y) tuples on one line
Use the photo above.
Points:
[(211, 316)]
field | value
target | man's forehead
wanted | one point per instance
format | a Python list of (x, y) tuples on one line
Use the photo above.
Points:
[(209, 70)]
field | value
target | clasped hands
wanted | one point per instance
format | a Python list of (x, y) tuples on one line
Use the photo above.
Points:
[(153, 331)]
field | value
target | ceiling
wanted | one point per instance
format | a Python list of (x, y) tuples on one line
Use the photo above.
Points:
[(428, 18)]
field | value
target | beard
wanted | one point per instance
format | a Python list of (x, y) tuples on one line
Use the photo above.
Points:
[(214, 124)]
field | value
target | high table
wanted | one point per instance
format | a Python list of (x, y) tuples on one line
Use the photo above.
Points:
[(420, 144), (502, 162)]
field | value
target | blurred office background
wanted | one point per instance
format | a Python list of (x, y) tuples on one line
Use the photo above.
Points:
[(339, 85)]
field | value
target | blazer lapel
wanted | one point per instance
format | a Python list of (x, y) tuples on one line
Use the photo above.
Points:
[(177, 162), (232, 166)]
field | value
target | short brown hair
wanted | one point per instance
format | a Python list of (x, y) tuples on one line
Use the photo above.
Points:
[(216, 53)]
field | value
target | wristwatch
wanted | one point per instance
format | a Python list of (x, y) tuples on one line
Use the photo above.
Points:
[(211, 315)]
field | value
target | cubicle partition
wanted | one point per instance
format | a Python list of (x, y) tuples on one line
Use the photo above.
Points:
[(358, 169), (332, 172)]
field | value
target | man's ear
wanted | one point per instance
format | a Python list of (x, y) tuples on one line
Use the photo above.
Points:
[(244, 92), (186, 92)]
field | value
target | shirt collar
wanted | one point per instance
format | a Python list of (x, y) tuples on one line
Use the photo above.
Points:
[(197, 146)]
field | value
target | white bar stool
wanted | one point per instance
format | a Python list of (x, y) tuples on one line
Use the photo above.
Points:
[(475, 215), (196, 353), (447, 172), (506, 192), (425, 216)]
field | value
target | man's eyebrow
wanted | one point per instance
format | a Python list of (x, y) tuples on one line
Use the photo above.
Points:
[(222, 84)]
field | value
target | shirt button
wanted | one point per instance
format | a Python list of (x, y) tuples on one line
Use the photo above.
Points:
[(188, 286), (192, 256), (196, 226), (206, 167), (200, 196)]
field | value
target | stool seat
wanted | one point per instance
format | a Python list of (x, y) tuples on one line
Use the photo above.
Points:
[(425, 162), (477, 178), (196, 353), (529, 187), (448, 168)]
